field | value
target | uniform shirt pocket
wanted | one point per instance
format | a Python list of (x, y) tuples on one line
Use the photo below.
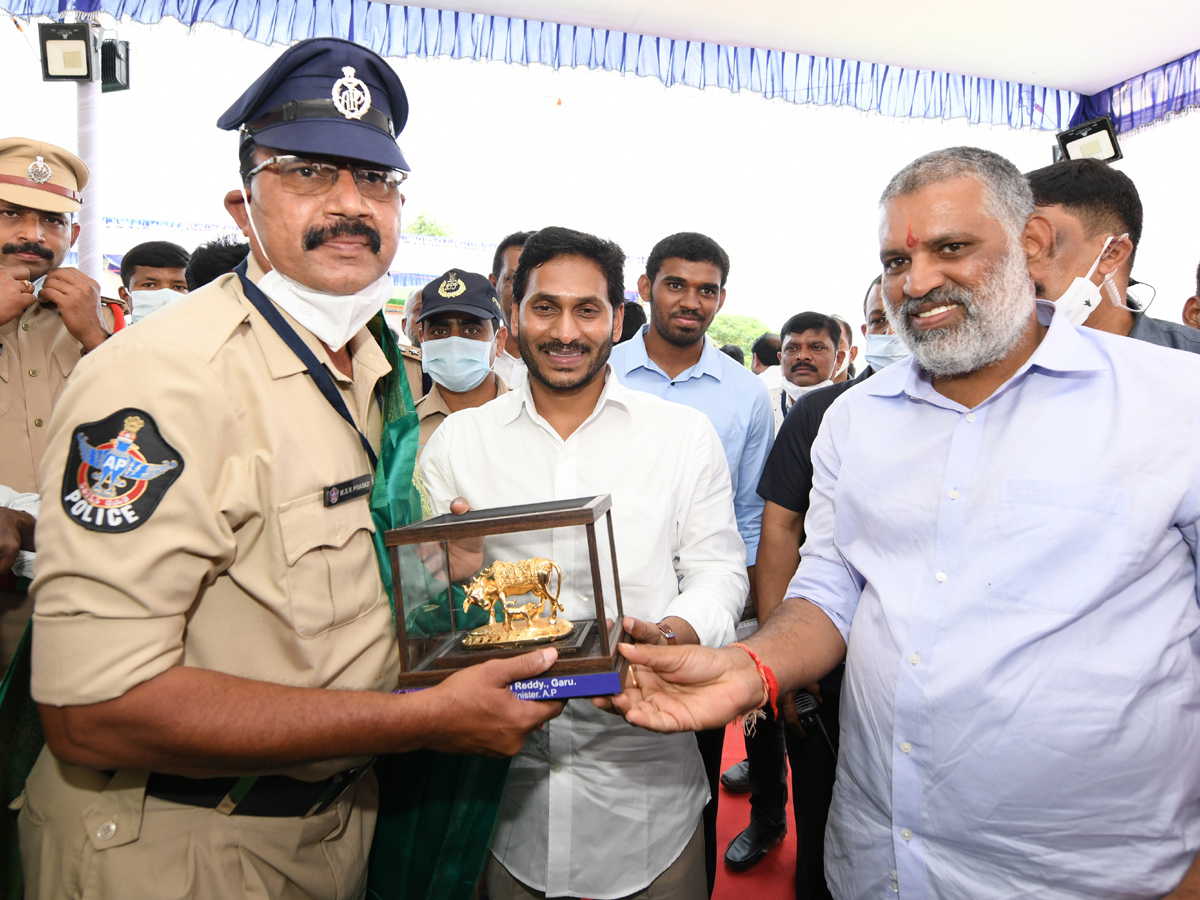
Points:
[(332, 573), (1050, 532)]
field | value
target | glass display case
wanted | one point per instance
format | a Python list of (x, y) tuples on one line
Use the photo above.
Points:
[(496, 583)]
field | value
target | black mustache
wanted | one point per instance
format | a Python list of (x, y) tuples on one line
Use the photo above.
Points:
[(802, 365), (44, 252), (315, 237)]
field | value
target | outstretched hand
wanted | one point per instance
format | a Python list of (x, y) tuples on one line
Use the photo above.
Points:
[(481, 715), (686, 688)]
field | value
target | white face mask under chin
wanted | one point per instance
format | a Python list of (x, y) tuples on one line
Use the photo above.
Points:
[(795, 392), (1082, 298), (333, 318)]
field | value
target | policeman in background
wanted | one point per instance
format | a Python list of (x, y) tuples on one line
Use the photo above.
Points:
[(49, 316), (460, 327), (213, 647)]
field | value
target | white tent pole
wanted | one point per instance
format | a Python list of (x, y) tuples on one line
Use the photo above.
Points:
[(87, 124)]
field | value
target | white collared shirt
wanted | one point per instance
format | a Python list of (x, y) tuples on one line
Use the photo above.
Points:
[(21, 502), (595, 807), (508, 367)]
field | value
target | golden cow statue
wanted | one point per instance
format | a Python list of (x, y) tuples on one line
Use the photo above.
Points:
[(494, 584)]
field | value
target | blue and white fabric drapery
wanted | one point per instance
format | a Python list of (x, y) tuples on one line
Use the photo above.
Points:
[(1158, 94), (399, 31)]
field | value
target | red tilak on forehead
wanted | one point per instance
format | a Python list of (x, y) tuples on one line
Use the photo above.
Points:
[(911, 241)]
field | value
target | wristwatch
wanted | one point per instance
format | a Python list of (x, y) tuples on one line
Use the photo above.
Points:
[(667, 633)]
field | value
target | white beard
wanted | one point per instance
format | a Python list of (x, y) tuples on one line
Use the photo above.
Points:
[(996, 316)]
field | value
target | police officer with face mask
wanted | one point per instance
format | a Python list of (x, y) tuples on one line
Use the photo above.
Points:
[(460, 328)]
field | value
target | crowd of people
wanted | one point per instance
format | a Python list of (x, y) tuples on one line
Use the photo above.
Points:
[(966, 535)]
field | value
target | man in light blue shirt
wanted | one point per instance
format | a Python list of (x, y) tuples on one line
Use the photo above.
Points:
[(1002, 537), (684, 285)]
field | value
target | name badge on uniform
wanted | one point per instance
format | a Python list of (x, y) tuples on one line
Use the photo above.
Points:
[(347, 490)]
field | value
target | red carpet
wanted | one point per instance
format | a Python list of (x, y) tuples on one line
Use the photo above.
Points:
[(775, 877)]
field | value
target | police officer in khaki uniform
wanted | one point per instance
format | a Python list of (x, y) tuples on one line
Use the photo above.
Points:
[(213, 649), (49, 315), (460, 326)]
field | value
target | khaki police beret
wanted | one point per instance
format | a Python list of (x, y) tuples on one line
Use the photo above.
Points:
[(41, 176)]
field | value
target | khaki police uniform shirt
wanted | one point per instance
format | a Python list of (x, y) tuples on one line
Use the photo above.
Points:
[(37, 353), (432, 409), (240, 568)]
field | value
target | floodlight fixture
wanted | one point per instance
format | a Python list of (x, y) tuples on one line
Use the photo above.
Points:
[(114, 65), (1094, 139), (70, 51)]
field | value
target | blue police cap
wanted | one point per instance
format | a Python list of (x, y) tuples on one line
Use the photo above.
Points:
[(325, 97), (461, 291)]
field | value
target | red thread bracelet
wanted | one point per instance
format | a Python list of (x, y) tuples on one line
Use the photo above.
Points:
[(770, 682)]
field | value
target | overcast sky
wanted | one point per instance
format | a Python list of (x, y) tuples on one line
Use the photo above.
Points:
[(790, 191)]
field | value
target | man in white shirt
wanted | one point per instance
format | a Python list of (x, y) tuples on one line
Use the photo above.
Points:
[(593, 807), (18, 515), (764, 362), (504, 266)]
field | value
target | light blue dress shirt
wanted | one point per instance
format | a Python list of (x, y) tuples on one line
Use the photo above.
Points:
[(736, 402), (1021, 709)]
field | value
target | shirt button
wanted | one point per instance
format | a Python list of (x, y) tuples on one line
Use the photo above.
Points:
[(970, 417), (556, 768), (954, 495), (906, 747), (24, 326), (107, 830), (33, 373), (37, 423), (914, 659), (941, 576), (906, 834)]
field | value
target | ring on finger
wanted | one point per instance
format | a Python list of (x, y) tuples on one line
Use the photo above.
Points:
[(28, 286)]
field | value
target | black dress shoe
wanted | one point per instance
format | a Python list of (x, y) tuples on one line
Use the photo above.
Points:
[(737, 778), (749, 847)]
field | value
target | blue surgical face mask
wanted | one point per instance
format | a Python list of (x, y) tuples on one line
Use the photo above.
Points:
[(146, 302), (884, 349), (457, 364)]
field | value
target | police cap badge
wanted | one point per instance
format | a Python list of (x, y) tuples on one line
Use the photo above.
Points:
[(460, 291), (325, 97)]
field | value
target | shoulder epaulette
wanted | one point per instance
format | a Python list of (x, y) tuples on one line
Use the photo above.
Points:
[(410, 352)]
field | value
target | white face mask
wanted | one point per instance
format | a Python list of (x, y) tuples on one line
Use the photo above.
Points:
[(844, 366), (1082, 298), (884, 349), (146, 302), (795, 393), (333, 318), (456, 363)]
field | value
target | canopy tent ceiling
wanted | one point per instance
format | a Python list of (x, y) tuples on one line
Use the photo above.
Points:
[(1023, 63), (1076, 46)]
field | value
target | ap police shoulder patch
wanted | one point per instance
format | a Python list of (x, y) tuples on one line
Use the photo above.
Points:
[(117, 472)]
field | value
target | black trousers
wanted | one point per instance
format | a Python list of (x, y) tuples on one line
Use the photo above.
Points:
[(767, 756), (813, 770), (711, 743)]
